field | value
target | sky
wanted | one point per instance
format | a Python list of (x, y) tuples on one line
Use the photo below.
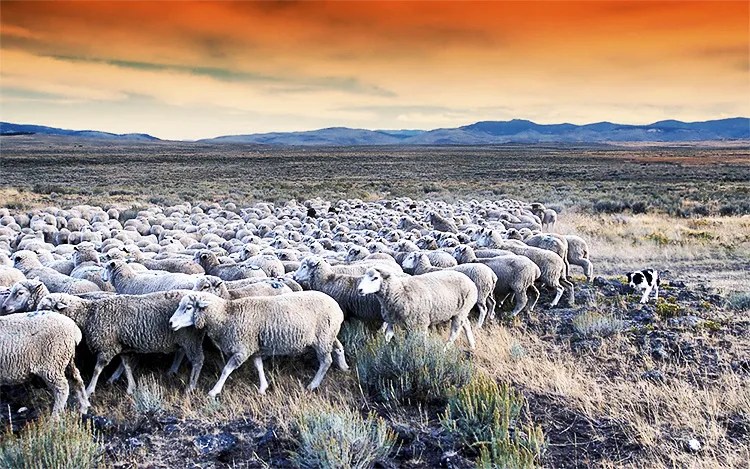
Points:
[(189, 70)]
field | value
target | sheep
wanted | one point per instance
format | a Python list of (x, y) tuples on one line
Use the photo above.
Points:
[(317, 274), (264, 326), (87, 266), (515, 276), (28, 263), (550, 264), (10, 275), (127, 281), (43, 345), (124, 324), (215, 285), (482, 276), (421, 301), (211, 265), (551, 242), (441, 223), (177, 265), (24, 296), (578, 254), (269, 264)]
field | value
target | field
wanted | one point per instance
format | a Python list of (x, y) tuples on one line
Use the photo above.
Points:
[(609, 383)]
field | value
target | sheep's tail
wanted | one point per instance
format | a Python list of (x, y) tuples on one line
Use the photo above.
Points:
[(78, 336)]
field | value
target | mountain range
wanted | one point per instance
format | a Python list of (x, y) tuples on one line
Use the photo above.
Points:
[(480, 133)]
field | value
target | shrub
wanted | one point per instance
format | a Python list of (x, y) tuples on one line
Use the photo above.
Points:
[(666, 309), (67, 442), (417, 368), (739, 301), (337, 438), (354, 336), (609, 206), (129, 213), (148, 398), (659, 238), (594, 324), (484, 417)]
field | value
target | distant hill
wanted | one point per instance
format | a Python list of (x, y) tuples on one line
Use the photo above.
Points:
[(8, 129), (513, 131), (480, 133)]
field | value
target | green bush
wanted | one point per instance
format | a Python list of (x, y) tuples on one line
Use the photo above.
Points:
[(413, 368), (739, 301), (340, 438), (354, 335), (666, 309), (65, 443), (484, 417)]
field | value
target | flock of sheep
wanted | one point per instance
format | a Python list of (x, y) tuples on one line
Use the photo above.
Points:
[(261, 281)]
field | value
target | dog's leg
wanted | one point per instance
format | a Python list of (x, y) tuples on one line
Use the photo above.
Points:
[(646, 294)]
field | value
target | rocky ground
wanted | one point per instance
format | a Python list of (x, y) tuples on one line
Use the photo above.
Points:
[(689, 337)]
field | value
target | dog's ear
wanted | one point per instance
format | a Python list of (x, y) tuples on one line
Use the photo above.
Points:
[(630, 276)]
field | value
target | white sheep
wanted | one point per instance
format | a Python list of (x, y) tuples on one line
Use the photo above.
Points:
[(259, 327), (43, 345), (421, 301)]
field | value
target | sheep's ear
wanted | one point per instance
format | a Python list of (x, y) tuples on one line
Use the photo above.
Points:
[(61, 305), (218, 282), (202, 304), (384, 274)]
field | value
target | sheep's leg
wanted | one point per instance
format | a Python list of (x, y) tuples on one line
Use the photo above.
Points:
[(128, 374), (101, 362), (521, 300), (196, 358), (482, 307), (116, 375), (588, 269), (262, 383), (571, 292), (178, 356), (535, 296), (455, 329), (80, 390), (338, 355), (58, 384), (232, 364), (383, 328), (325, 360), (656, 288), (469, 334), (491, 305), (389, 332), (560, 290)]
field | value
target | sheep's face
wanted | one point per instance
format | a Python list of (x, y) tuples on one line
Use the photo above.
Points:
[(190, 312), (410, 261), (371, 282), (304, 273), (19, 299), (53, 302)]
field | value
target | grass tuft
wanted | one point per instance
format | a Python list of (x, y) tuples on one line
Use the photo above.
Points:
[(594, 324)]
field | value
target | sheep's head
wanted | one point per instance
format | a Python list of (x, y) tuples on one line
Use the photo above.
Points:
[(24, 258), (204, 256), (191, 311), (57, 302), (411, 260), (209, 284), (306, 270), (372, 281), (23, 296)]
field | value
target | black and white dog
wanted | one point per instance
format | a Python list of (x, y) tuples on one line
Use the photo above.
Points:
[(645, 281)]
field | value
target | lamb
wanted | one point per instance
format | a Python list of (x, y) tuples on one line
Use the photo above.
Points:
[(28, 263), (24, 296), (215, 285), (207, 259), (578, 254), (317, 274), (44, 345), (124, 324), (264, 326), (482, 276), (515, 276), (421, 301), (177, 265), (127, 281)]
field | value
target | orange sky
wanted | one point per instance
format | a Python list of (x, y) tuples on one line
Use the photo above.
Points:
[(191, 70)]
